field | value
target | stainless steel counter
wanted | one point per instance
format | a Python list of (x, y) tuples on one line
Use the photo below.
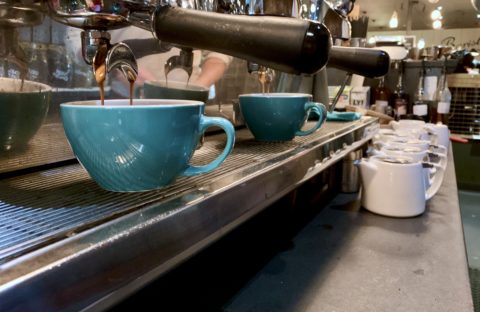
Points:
[(348, 259), (67, 245)]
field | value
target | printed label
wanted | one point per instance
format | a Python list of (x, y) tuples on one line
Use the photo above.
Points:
[(400, 107), (443, 107), (420, 109), (401, 110), (430, 86)]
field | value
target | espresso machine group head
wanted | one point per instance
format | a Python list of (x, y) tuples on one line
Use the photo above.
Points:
[(287, 44)]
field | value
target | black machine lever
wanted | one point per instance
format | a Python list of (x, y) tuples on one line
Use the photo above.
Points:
[(361, 61), (290, 45)]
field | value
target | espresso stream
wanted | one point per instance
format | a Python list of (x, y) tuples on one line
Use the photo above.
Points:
[(100, 71), (23, 77), (100, 76), (263, 82), (131, 80)]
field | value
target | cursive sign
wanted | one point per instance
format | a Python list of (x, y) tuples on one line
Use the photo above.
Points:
[(450, 41)]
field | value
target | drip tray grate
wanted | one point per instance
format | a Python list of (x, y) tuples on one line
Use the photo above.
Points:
[(43, 207), (39, 151)]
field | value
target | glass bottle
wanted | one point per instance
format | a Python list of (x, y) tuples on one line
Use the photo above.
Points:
[(420, 105), (381, 97), (443, 98), (400, 99)]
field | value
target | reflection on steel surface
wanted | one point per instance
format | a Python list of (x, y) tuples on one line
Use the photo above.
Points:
[(39, 151)]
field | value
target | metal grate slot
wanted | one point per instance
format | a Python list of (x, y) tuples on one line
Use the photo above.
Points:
[(465, 106), (465, 111)]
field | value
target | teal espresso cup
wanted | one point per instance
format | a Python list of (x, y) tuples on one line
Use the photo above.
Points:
[(160, 89), (140, 147), (280, 116), (23, 108)]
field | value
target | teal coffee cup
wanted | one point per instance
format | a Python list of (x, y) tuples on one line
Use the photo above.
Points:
[(280, 116), (160, 89), (22, 111), (140, 147)]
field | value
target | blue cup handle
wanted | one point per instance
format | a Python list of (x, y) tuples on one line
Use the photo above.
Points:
[(206, 122), (320, 110)]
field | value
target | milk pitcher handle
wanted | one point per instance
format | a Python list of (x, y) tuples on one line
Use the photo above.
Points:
[(435, 183), (206, 122), (320, 110), (442, 157), (441, 149)]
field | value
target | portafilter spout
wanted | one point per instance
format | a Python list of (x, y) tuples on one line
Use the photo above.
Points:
[(104, 57), (264, 75), (182, 61), (287, 44)]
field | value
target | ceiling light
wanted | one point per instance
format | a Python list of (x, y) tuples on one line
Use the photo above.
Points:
[(433, 1), (421, 43), (439, 8), (436, 14), (437, 24), (393, 20)]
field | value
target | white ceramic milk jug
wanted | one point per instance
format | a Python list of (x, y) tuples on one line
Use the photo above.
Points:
[(396, 187)]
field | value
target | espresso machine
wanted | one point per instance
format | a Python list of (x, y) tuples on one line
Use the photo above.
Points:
[(66, 244), (304, 47), (185, 24)]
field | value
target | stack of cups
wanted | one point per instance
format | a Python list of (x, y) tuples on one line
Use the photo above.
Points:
[(405, 167)]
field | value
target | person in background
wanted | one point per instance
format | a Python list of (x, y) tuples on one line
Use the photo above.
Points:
[(465, 64), (208, 67)]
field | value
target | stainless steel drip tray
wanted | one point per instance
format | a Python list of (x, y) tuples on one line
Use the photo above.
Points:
[(49, 145), (66, 244)]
